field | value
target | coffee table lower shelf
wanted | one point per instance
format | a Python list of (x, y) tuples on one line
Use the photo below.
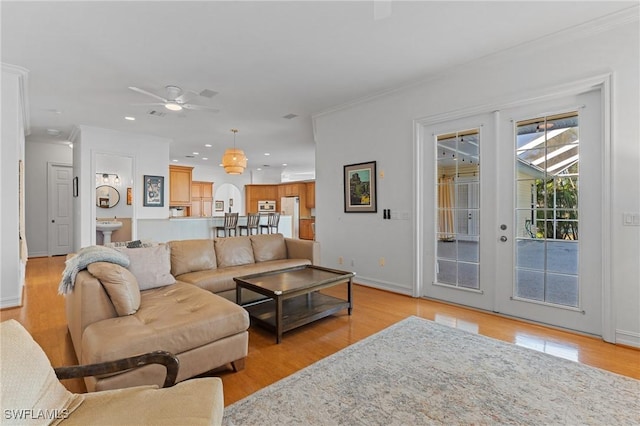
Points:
[(297, 311)]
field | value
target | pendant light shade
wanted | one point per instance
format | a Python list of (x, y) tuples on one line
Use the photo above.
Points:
[(234, 160)]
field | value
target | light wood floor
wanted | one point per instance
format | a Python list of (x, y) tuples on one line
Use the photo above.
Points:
[(43, 315)]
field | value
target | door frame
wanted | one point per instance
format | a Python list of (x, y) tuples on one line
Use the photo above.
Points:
[(601, 82)]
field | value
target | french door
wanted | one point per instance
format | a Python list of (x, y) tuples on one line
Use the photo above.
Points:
[(514, 224)]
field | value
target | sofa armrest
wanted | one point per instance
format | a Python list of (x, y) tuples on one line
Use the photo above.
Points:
[(303, 249), (86, 304), (165, 358)]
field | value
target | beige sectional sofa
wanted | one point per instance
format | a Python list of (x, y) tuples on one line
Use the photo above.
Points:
[(177, 297)]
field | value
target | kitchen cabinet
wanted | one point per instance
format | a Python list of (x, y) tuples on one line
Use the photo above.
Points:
[(311, 195), (201, 199), (259, 192), (180, 186), (306, 229)]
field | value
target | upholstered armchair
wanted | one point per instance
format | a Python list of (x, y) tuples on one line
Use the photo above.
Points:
[(32, 393)]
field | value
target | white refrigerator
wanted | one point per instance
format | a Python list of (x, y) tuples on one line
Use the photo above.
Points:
[(290, 206)]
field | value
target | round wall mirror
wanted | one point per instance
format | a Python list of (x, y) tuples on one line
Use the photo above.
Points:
[(107, 196)]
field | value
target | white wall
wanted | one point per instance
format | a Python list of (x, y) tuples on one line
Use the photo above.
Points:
[(381, 129), (150, 156), (14, 125), (38, 155)]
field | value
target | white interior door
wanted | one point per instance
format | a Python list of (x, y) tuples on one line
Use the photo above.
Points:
[(549, 213), (60, 208)]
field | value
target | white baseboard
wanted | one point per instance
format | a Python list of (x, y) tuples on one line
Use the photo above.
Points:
[(38, 254), (10, 302), (628, 338), (382, 285)]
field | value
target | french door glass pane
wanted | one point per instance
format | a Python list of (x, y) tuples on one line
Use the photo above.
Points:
[(546, 214), (458, 209)]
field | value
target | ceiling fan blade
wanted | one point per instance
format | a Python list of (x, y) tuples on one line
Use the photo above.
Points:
[(186, 97), (200, 107), (144, 92), (150, 104)]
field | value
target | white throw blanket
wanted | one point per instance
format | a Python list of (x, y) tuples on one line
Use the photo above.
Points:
[(83, 258)]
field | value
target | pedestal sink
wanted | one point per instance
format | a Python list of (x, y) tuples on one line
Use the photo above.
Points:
[(107, 227)]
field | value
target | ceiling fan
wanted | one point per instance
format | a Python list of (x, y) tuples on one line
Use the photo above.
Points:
[(176, 99)]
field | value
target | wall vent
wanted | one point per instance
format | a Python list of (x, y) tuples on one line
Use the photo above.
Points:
[(156, 113), (208, 93), (290, 116)]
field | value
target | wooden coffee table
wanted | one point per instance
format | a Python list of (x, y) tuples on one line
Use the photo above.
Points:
[(293, 296)]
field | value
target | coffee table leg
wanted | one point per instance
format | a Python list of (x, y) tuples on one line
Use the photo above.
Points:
[(238, 295), (349, 295), (278, 319)]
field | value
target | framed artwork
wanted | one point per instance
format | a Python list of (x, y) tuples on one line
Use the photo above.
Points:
[(219, 205), (75, 186), (360, 188), (153, 191), (129, 196)]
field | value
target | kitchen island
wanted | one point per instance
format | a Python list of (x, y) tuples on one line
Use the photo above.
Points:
[(183, 228)]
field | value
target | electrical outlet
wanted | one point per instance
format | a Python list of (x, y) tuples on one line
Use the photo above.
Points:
[(340, 260), (381, 261)]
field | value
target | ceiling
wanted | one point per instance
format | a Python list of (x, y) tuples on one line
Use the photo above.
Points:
[(264, 59)]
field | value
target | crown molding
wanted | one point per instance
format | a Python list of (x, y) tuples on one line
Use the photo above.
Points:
[(580, 31), (23, 85)]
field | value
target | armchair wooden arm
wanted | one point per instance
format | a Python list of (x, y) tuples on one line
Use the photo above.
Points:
[(165, 358)]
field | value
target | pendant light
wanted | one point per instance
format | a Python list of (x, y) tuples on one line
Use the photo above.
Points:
[(234, 160)]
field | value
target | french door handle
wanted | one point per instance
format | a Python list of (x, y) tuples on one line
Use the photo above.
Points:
[(503, 239)]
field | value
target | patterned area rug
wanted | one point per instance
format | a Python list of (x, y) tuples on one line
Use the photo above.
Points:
[(418, 372)]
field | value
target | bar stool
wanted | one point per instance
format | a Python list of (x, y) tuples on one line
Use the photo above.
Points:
[(272, 223), (253, 220), (230, 224)]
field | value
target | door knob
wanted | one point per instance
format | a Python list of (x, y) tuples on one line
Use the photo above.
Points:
[(503, 238)]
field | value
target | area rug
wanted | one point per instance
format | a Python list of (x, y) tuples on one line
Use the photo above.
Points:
[(418, 372)]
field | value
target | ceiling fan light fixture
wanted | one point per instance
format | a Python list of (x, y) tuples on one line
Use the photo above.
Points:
[(173, 106), (234, 161)]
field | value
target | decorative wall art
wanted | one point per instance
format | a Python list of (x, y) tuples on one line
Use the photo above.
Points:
[(129, 196), (153, 191), (219, 205), (360, 188)]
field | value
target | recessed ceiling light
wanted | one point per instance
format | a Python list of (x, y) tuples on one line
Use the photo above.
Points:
[(174, 160), (208, 145), (267, 154), (130, 118), (53, 132), (258, 169), (196, 153), (205, 158), (221, 165)]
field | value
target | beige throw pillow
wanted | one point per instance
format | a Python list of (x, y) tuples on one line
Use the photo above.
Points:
[(121, 286), (150, 265)]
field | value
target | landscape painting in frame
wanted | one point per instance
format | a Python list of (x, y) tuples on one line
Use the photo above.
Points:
[(153, 191), (360, 188)]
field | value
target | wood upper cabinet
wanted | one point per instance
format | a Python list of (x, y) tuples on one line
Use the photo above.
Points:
[(259, 192), (201, 199), (180, 185), (311, 195)]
